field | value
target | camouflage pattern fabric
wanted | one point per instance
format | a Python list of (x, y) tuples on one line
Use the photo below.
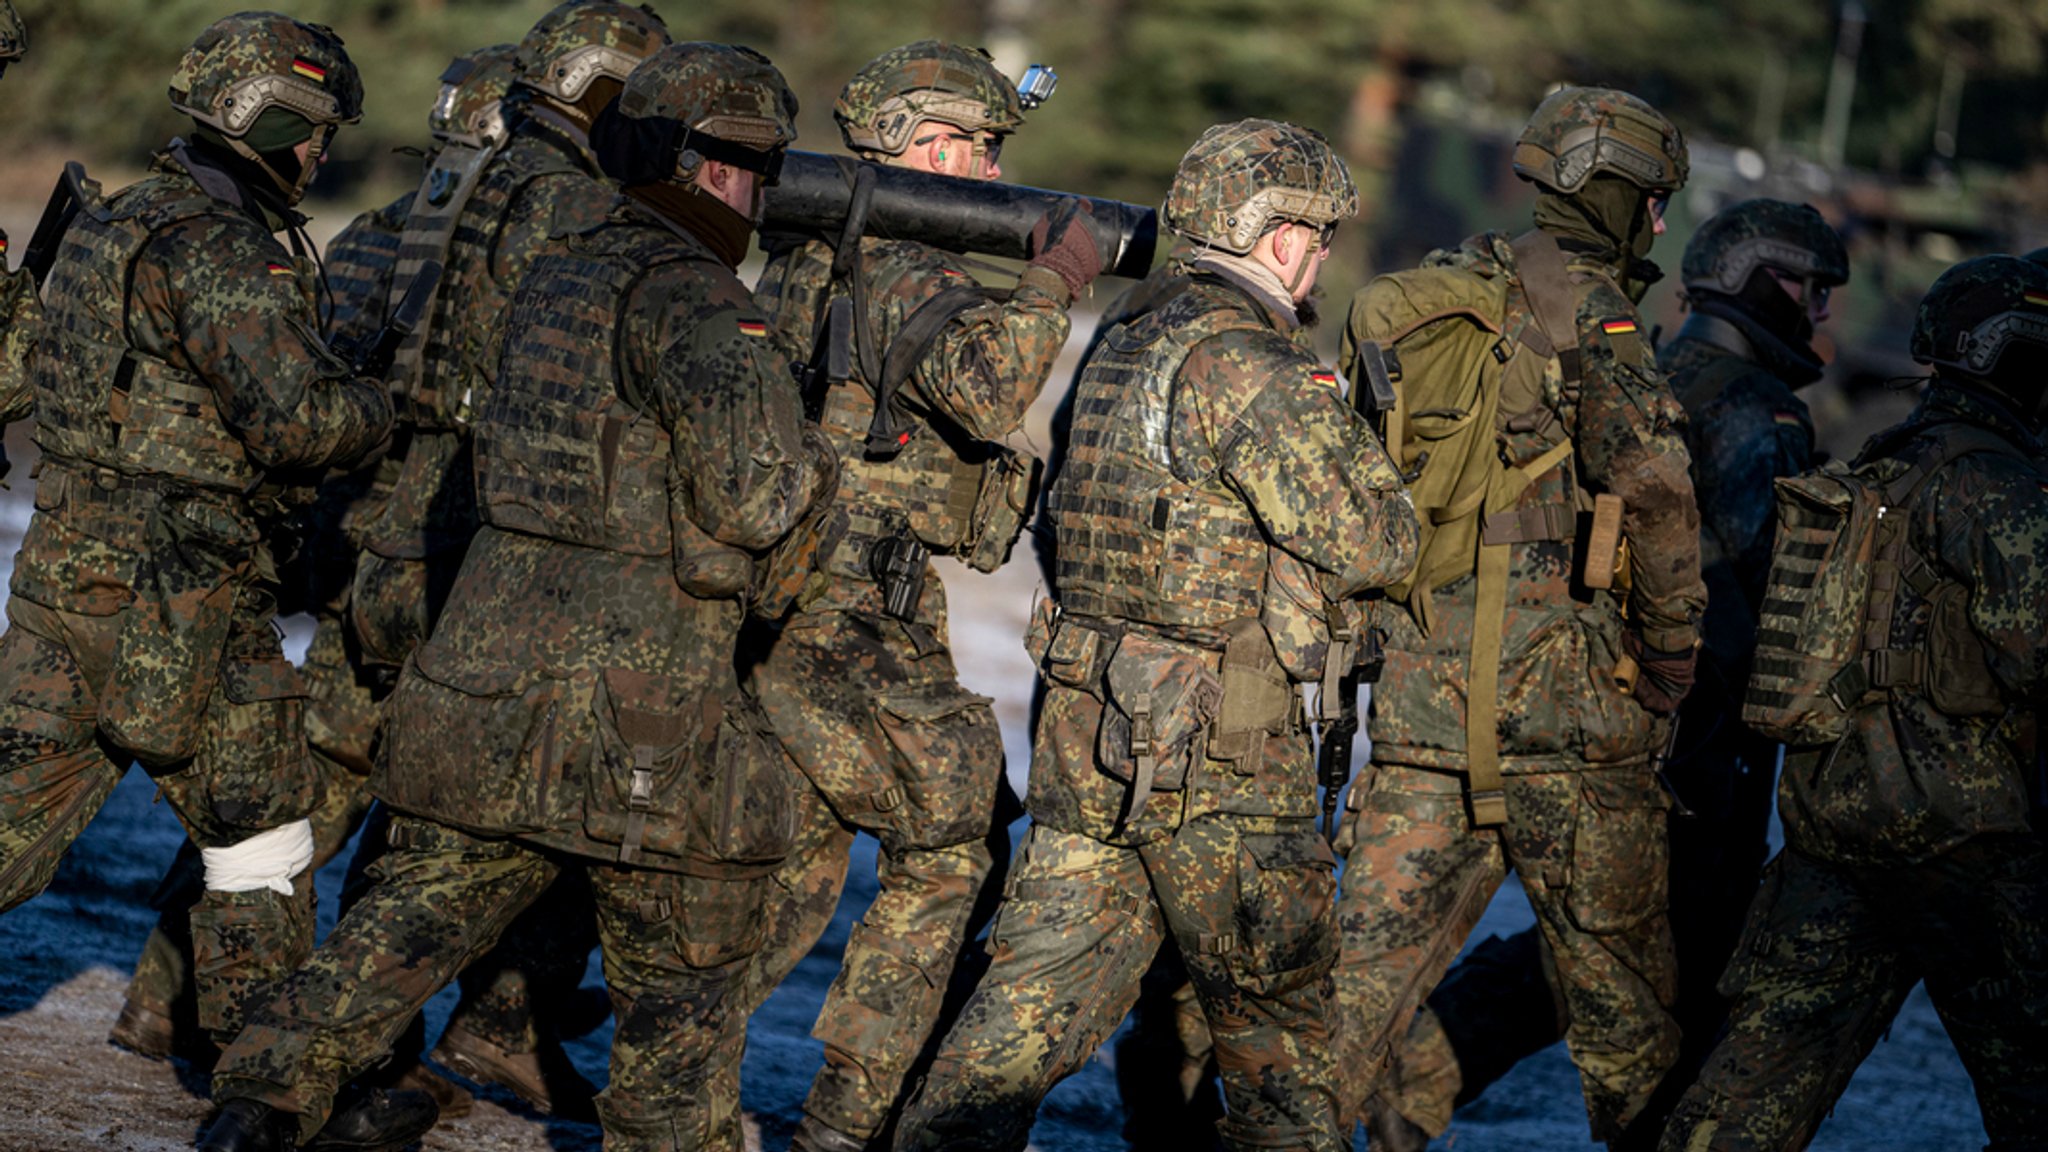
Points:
[(1080, 923), (212, 298), (20, 312), (1828, 957), (1589, 846), (1577, 133), (545, 180), (674, 947), (1404, 910), (869, 707), (1911, 781), (1227, 860), (593, 624)]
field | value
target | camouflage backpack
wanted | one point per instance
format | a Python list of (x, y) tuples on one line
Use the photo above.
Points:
[(1840, 565)]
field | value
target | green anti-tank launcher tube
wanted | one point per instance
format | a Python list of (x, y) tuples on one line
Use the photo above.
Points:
[(816, 192)]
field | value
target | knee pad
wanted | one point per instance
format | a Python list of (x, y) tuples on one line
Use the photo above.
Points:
[(270, 860)]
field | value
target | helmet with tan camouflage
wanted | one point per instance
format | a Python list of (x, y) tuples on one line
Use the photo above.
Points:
[(262, 84), (1241, 179), (1740, 239), (13, 35), (1987, 320), (886, 100), (581, 41), (1577, 132), (471, 107), (694, 102)]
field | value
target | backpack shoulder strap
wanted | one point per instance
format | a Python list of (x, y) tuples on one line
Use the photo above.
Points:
[(1540, 273)]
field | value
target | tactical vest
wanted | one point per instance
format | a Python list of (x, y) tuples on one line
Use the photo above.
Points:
[(462, 231), (1142, 537), (559, 453), (958, 495), (99, 400)]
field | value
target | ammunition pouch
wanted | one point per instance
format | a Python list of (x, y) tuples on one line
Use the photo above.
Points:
[(1002, 504), (1160, 698), (167, 658), (1258, 699), (1959, 680), (686, 782), (1070, 652)]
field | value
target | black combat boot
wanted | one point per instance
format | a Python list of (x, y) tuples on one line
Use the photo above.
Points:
[(373, 1121)]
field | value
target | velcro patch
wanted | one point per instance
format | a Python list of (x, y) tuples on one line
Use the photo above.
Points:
[(2037, 299), (1790, 419), (1324, 377), (282, 270), (309, 70), (753, 328), (1618, 327)]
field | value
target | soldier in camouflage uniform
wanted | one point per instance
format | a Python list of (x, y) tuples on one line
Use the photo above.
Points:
[(577, 707), (157, 1016), (1573, 805), (1758, 275), (859, 680), (1913, 846), (1218, 505), (180, 386), (20, 309)]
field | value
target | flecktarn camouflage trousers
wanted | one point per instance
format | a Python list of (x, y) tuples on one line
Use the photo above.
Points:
[(873, 714), (1827, 958), (1589, 847), (674, 946), (1081, 921)]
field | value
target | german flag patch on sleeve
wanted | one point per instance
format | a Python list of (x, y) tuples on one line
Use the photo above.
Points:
[(753, 328), (277, 269), (1324, 376), (1620, 326), (1788, 419)]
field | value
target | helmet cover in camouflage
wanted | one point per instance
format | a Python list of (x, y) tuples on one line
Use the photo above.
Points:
[(1739, 239), (2038, 256), (886, 100), (581, 40), (248, 63), (1977, 311), (471, 105), (694, 102), (1239, 179), (1577, 132), (13, 35)]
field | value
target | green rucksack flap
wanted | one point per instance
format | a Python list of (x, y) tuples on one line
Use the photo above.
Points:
[(1441, 331)]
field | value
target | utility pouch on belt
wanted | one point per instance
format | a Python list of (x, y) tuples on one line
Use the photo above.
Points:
[(168, 654), (1161, 698), (1008, 492), (1257, 699)]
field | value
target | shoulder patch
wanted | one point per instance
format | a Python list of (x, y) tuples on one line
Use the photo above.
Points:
[(277, 269), (754, 328), (1789, 419), (1619, 326), (1324, 377)]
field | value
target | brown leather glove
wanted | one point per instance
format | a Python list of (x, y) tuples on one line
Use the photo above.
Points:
[(1665, 677), (1061, 244)]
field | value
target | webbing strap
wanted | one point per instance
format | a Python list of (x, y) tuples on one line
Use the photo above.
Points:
[(1490, 601), (1539, 266)]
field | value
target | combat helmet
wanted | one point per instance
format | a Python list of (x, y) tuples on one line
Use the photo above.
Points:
[(13, 35), (471, 107), (1239, 179), (694, 102), (280, 79), (581, 41), (1986, 320), (1577, 132), (1743, 239), (929, 80)]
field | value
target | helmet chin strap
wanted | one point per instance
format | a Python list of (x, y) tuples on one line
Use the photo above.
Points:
[(293, 189), (1300, 270)]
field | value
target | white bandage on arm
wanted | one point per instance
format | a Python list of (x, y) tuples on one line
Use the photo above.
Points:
[(270, 860)]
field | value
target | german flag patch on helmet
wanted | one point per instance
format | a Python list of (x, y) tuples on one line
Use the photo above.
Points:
[(309, 70), (2036, 299)]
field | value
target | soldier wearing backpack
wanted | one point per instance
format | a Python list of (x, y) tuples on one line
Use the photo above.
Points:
[(1903, 656), (1552, 617)]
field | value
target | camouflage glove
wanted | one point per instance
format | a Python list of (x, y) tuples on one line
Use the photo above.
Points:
[(1665, 677), (1062, 245)]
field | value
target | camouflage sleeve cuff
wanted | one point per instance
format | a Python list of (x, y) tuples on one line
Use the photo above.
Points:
[(1047, 281)]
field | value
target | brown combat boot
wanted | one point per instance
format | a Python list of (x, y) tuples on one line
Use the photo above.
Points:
[(544, 1078), (451, 1098), (151, 1032)]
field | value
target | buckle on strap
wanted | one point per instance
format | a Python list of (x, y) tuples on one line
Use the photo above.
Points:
[(1489, 808), (1523, 525)]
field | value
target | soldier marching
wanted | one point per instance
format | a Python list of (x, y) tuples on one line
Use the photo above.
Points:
[(626, 623)]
